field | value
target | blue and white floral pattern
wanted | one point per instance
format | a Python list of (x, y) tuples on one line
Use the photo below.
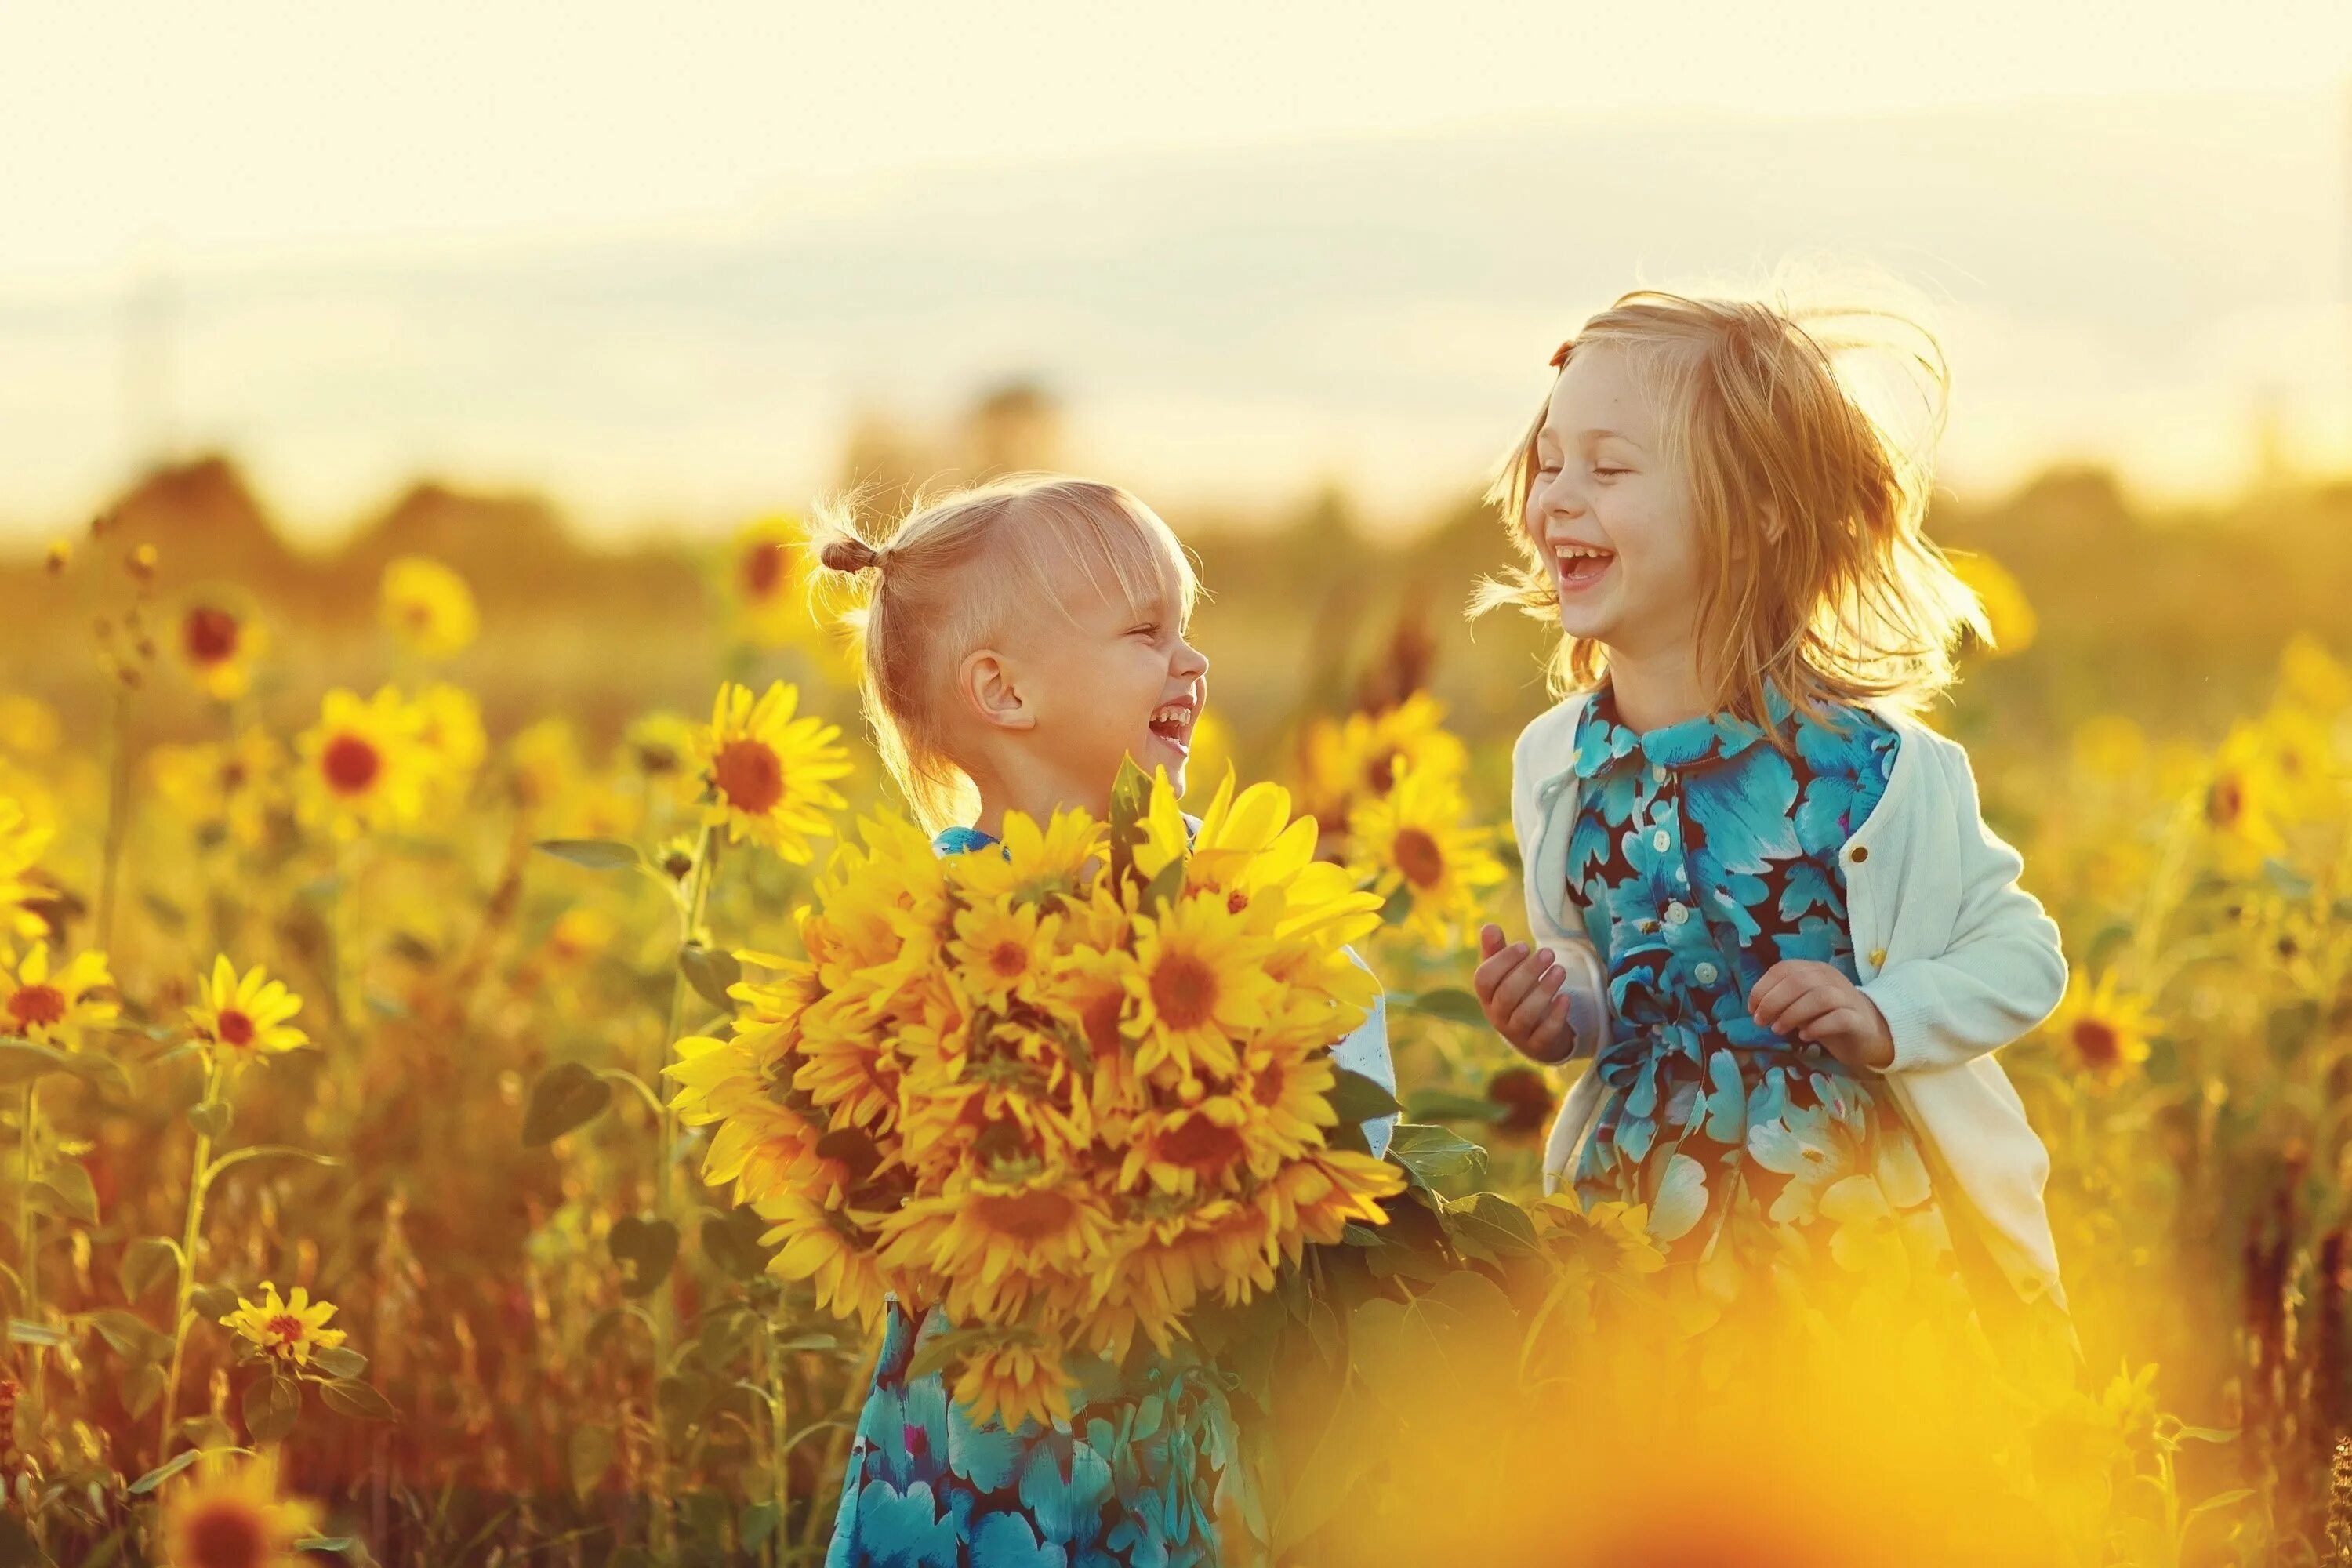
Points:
[(1702, 854)]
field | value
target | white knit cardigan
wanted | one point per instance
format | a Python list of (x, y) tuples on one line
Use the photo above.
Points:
[(1959, 959)]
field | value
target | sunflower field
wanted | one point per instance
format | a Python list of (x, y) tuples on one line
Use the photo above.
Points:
[(381, 973)]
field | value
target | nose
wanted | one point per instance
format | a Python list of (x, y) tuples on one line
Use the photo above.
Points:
[(1191, 664), (1547, 501)]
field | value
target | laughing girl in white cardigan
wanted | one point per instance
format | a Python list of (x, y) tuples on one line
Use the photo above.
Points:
[(1762, 901)]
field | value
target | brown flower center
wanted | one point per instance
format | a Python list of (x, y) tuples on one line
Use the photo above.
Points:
[(2097, 1042), (750, 775), (226, 1534), (764, 569), (1010, 960), (1024, 1216), (234, 1027), (1380, 772), (285, 1328), (1201, 1145), (1420, 858), (1100, 1020), (37, 1004), (2225, 803), (351, 765), (209, 635), (1184, 991)]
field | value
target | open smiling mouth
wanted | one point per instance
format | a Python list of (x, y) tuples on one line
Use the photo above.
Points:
[(1172, 722), (1582, 565)]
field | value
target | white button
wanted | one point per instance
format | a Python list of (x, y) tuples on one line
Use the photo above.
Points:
[(1706, 974), (1661, 838), (1677, 913), (1657, 773)]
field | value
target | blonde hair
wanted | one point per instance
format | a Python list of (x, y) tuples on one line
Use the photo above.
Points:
[(1820, 581), (951, 575)]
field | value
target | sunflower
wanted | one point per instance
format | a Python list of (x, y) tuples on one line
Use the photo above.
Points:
[(769, 774), (1360, 757), (1017, 1379), (450, 737), (22, 841), (228, 1515), (362, 768), (2007, 613), (1036, 863), (766, 583), (227, 789), (543, 765), (1412, 841), (2102, 1030), (289, 1330), (2313, 679), (2300, 757), (1004, 952), (989, 1240), (60, 1007), (1198, 977), (659, 749), (427, 607), (218, 647), (2241, 801), (829, 1246), (238, 1017)]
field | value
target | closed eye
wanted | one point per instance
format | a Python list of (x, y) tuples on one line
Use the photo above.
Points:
[(1605, 473)]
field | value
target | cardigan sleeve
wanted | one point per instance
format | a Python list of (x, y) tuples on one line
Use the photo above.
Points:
[(1541, 753), (2002, 970)]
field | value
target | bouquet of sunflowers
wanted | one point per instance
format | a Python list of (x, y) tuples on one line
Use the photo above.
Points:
[(1063, 1092)]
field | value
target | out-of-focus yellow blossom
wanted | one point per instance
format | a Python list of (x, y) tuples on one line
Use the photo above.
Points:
[(659, 748), (1360, 757), (580, 935), (52, 1006), (286, 1330), (2300, 756), (2111, 747), (218, 644), (362, 766), (766, 583), (230, 788), (22, 842), (1413, 840), (2006, 610), (2242, 798), (228, 1514), (1212, 751), (2312, 679), (2101, 1031), (770, 775), (449, 732), (240, 1016), (28, 726), (544, 762), (427, 607)]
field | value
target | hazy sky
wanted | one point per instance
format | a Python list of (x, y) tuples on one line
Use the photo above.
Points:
[(650, 257)]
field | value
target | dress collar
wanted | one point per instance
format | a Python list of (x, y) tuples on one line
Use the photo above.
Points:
[(959, 840), (1602, 740)]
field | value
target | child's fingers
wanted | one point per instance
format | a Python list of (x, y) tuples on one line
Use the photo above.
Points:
[(1778, 985), (1554, 1037), (1539, 1000), (1512, 988), (1490, 940), (1805, 1010), (1497, 967)]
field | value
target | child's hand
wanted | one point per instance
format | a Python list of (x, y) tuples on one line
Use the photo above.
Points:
[(1521, 992), (1815, 1002)]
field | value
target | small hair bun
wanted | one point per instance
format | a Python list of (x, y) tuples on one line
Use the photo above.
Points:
[(850, 553)]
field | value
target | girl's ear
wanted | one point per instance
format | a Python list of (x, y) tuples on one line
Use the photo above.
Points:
[(986, 683)]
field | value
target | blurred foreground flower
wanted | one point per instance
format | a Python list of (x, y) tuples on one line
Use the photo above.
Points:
[(230, 1515), (427, 607)]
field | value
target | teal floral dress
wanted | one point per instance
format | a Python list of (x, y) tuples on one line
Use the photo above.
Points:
[(1701, 856)]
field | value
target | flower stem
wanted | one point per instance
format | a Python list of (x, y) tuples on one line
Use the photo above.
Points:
[(28, 1234), (187, 1280)]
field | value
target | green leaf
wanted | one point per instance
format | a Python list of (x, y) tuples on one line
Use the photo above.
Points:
[(131, 1335), (567, 1094), (22, 1061), (1490, 1228), (732, 1242), (1435, 1154), (211, 1302), (711, 972), (1451, 1105), (271, 1404), (68, 1184), (357, 1399), (165, 1471), (680, 1399), (1444, 1337), (139, 1385), (1450, 1003), (589, 1452), (212, 1117), (1164, 889), (596, 854), (335, 1543), (1397, 909), (339, 1360), (646, 1248), (1361, 1098), (148, 1262), (1131, 804), (755, 1524)]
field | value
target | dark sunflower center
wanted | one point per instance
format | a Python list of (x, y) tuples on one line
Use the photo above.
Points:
[(2225, 803), (208, 634), (235, 1028), (285, 1328), (2097, 1042), (226, 1534), (764, 569), (1420, 858), (750, 775), (351, 765), (1024, 1216), (1184, 991), (37, 1004), (1201, 1145), (1009, 959)]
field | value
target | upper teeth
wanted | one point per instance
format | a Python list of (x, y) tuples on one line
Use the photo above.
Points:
[(1572, 551), (1174, 713)]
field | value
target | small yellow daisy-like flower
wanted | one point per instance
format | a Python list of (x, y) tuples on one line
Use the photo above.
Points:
[(228, 1514), (363, 768), (288, 1330), (2101, 1030), (57, 1007), (770, 773), (2007, 611), (218, 646), (427, 607), (1414, 840), (243, 1016), (224, 789)]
